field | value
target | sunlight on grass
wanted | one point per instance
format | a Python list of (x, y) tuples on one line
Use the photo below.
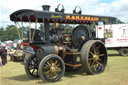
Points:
[(116, 73)]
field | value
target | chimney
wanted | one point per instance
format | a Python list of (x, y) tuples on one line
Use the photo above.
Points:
[(46, 7)]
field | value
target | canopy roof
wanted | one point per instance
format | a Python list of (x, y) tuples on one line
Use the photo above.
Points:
[(26, 15)]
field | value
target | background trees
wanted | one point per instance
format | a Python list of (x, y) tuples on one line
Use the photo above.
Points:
[(8, 33)]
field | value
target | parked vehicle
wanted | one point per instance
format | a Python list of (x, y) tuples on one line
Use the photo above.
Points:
[(56, 50), (116, 37)]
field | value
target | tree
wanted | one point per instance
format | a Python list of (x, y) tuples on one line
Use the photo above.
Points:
[(9, 34)]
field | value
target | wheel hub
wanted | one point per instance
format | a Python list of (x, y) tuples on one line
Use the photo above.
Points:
[(96, 57), (83, 38), (53, 68)]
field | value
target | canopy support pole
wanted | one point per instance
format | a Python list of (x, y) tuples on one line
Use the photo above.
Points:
[(34, 29), (17, 31), (29, 31), (22, 30)]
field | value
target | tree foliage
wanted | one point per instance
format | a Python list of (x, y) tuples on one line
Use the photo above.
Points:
[(8, 33)]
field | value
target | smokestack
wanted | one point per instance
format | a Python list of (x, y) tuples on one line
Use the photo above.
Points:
[(46, 7)]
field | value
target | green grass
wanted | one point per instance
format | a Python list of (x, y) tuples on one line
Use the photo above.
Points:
[(116, 73)]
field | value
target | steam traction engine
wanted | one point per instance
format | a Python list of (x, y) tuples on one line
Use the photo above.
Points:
[(56, 50)]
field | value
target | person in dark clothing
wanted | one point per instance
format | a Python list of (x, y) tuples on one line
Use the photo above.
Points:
[(3, 54)]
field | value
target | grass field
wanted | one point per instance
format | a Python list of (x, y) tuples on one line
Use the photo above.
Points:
[(116, 73)]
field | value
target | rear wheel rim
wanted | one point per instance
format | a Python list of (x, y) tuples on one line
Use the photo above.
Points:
[(97, 58)]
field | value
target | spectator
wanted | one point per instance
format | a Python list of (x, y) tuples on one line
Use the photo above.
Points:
[(3, 53)]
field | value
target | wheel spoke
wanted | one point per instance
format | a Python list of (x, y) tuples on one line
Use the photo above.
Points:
[(101, 55), (48, 63), (48, 75), (94, 48), (99, 64), (58, 70), (56, 74), (37, 72), (90, 59), (91, 64), (30, 68), (58, 65), (34, 61), (33, 65), (94, 67), (47, 72), (45, 68), (33, 71), (97, 49), (91, 53), (51, 61), (56, 62)]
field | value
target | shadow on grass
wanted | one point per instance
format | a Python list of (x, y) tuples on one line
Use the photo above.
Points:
[(75, 73), (23, 77), (69, 74), (114, 55)]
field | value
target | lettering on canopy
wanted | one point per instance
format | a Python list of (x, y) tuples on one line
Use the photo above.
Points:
[(86, 18)]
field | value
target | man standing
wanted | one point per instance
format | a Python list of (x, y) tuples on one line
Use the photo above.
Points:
[(3, 53)]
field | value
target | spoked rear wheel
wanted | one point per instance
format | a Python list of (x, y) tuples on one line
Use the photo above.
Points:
[(51, 68), (93, 57), (31, 66)]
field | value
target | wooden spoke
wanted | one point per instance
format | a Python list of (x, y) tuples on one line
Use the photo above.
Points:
[(48, 75), (56, 74), (91, 64), (47, 72), (56, 62), (93, 47), (48, 63), (97, 49), (45, 68), (58, 65), (94, 67), (51, 61), (91, 53), (101, 55), (99, 64), (90, 59), (58, 69)]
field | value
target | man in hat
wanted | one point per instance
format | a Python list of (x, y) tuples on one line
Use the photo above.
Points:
[(3, 53)]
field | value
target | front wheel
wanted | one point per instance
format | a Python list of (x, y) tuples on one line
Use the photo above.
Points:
[(51, 68), (93, 57)]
